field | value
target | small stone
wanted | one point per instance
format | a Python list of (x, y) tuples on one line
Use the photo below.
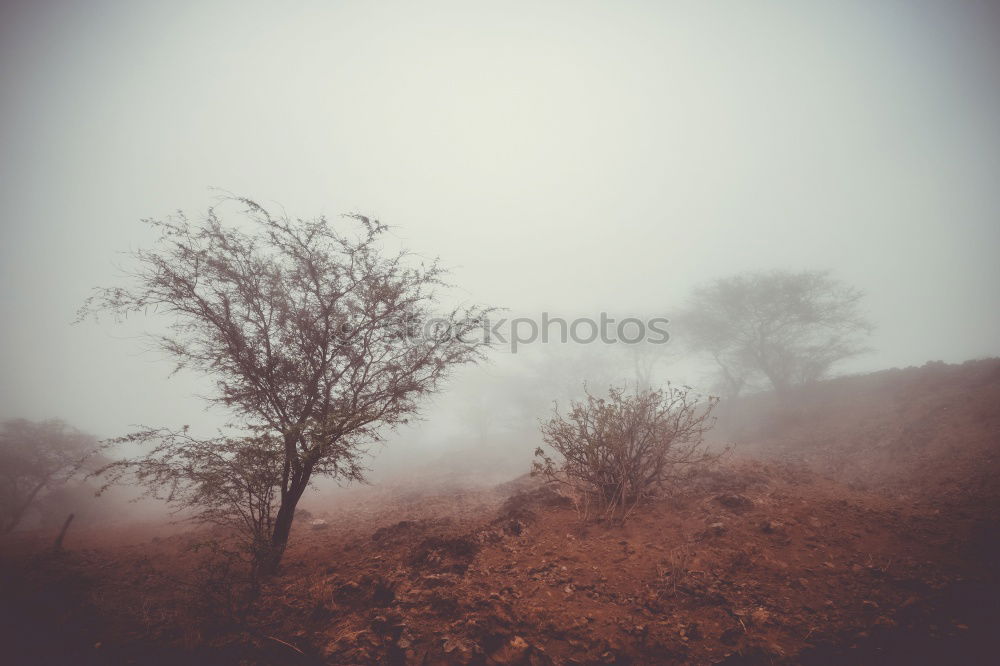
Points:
[(760, 616), (771, 527), (511, 653), (735, 502)]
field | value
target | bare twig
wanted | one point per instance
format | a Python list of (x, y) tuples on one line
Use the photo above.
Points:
[(286, 644)]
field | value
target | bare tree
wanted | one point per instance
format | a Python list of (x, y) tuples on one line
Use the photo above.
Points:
[(787, 327), (645, 358), (304, 329), (630, 446), (35, 458)]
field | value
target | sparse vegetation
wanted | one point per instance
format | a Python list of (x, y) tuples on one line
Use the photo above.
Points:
[(315, 446), (756, 556), (303, 327), (614, 452), (230, 482)]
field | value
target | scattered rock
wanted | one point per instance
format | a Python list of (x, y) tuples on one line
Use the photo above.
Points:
[(445, 554), (734, 502), (370, 590), (393, 532), (458, 647), (349, 593), (760, 616), (513, 652), (772, 527), (432, 581)]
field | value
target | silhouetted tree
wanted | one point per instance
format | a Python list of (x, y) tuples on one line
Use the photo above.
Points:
[(789, 327), (304, 329), (35, 458)]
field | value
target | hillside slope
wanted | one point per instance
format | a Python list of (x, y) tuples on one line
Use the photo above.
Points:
[(927, 431), (865, 532)]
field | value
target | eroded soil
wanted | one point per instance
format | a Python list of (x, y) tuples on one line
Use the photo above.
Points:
[(757, 561)]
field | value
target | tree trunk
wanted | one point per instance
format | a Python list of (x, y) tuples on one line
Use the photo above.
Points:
[(62, 533), (779, 382), (269, 561)]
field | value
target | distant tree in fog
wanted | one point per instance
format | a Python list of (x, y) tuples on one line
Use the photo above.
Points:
[(303, 328), (36, 458), (644, 359), (787, 327)]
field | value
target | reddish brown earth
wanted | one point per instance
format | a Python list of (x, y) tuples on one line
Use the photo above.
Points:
[(857, 523)]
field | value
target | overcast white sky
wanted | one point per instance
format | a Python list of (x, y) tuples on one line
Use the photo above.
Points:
[(566, 156)]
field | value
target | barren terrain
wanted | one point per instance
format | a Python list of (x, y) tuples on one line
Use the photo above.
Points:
[(856, 524)]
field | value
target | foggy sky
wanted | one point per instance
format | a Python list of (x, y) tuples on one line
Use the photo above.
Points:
[(572, 157)]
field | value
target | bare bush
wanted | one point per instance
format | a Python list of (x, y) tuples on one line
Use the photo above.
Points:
[(676, 565), (617, 451)]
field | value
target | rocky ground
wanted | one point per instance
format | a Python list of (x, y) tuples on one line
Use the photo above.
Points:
[(792, 551)]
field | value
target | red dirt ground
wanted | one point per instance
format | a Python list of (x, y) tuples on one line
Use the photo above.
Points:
[(855, 524)]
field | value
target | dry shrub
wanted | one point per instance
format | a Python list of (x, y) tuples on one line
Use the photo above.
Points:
[(213, 594), (615, 452), (224, 585), (676, 565)]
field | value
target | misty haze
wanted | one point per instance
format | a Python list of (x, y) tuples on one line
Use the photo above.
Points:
[(520, 333)]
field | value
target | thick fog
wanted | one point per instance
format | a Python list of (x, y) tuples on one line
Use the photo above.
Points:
[(564, 157)]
